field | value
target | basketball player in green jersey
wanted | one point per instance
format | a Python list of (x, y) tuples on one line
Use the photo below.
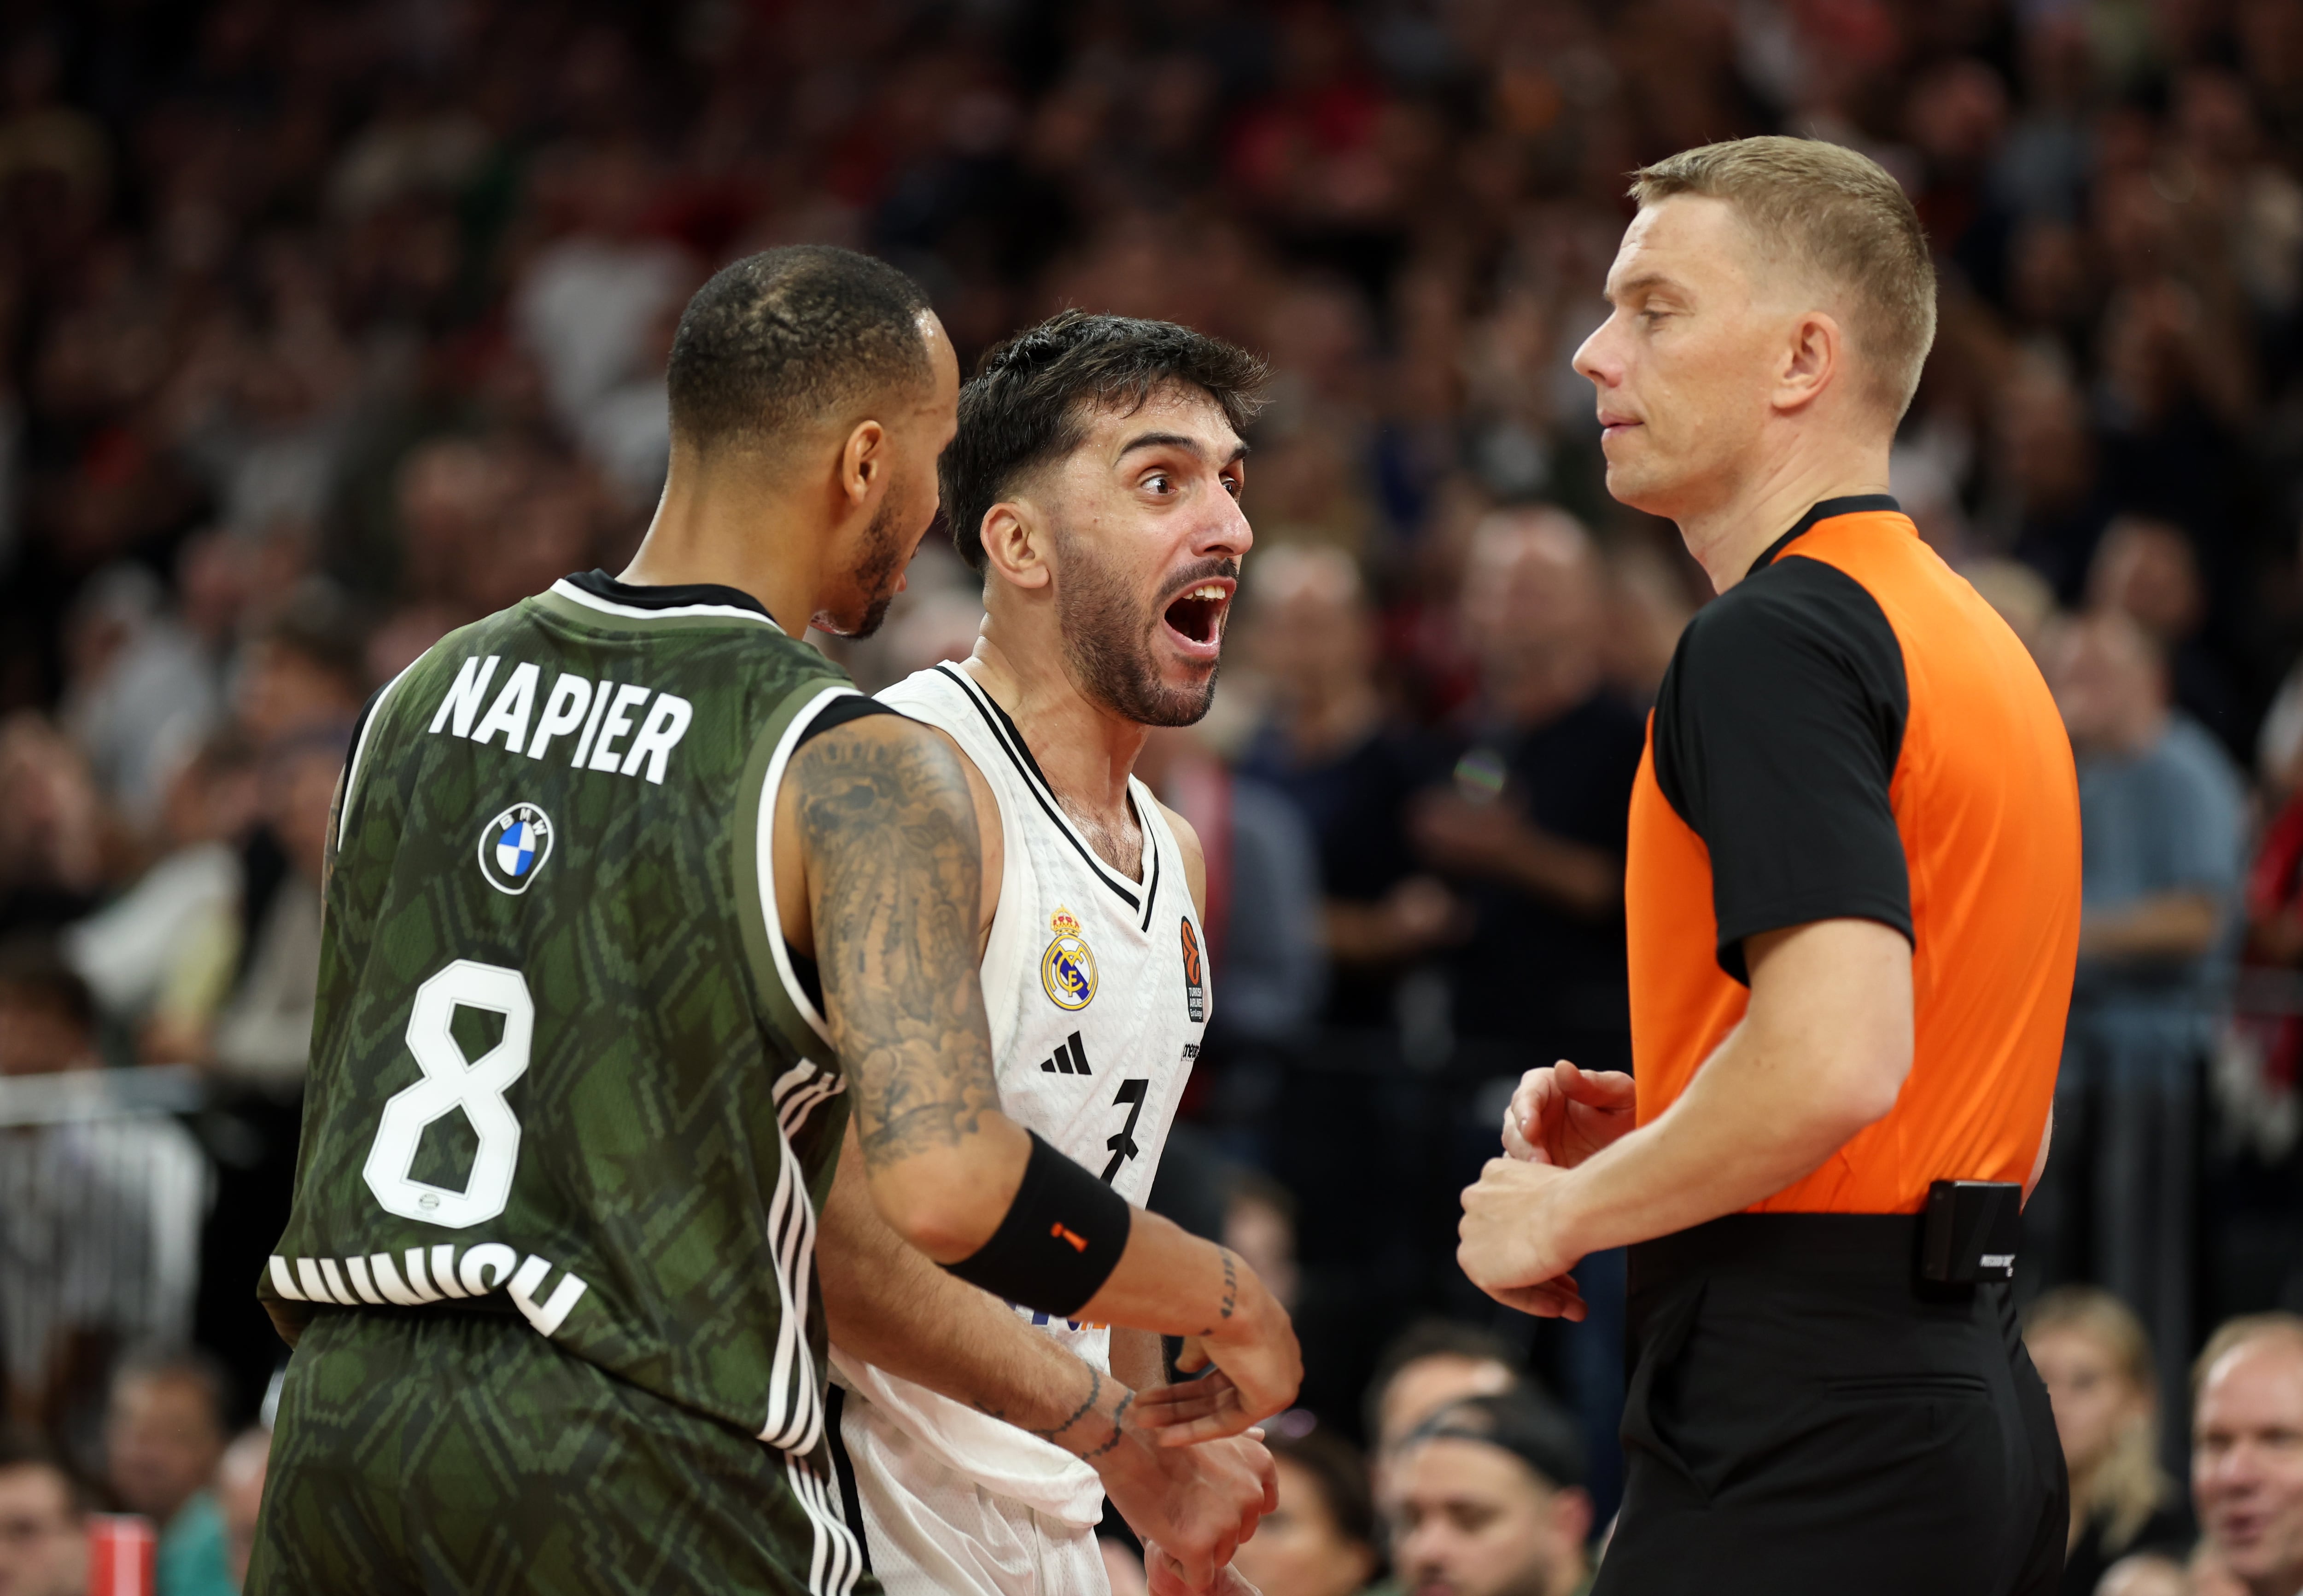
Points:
[(630, 896)]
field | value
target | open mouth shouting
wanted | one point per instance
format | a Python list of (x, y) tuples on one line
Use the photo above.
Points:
[(1194, 618)]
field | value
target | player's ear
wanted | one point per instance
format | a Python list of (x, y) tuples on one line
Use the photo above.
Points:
[(863, 462), (1014, 540)]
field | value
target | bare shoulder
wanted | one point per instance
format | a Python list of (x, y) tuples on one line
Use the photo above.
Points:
[(1195, 858)]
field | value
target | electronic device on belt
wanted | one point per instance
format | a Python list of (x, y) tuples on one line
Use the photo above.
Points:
[(1970, 1232)]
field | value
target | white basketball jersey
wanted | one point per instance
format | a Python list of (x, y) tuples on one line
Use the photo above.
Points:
[(1096, 990)]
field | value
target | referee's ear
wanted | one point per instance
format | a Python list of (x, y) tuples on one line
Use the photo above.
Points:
[(1813, 358), (1015, 545)]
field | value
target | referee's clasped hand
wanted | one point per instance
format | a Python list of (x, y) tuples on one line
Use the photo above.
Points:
[(1511, 1247), (1561, 1115)]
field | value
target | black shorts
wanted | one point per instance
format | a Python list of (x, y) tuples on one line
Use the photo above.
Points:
[(1806, 1418)]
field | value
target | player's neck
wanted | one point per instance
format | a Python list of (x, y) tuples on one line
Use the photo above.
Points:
[(707, 529), (1726, 535), (1086, 751)]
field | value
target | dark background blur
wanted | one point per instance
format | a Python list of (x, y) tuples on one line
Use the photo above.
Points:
[(326, 328)]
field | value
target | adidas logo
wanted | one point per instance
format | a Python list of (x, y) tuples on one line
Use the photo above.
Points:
[(1070, 1059)]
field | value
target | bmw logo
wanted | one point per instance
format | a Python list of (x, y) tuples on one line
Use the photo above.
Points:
[(513, 847)]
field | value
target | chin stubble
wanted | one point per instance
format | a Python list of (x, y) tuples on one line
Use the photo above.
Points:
[(1108, 639)]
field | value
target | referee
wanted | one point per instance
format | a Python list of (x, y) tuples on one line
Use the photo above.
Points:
[(1854, 905)]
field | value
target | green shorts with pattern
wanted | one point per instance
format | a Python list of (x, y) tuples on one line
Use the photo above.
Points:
[(443, 1453)]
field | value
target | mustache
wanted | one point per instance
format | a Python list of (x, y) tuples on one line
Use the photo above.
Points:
[(1206, 570)]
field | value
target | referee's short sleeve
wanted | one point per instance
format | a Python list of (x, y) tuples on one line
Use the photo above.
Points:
[(1776, 735)]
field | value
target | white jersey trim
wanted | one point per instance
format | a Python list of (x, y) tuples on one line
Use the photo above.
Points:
[(367, 730), (569, 590), (767, 843)]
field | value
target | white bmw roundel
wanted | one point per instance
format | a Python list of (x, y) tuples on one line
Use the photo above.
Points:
[(514, 847)]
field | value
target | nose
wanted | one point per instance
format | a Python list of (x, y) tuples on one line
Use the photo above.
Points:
[(1224, 533), (1597, 360)]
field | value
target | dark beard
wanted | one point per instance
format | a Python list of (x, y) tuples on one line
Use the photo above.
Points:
[(877, 572), (1108, 639)]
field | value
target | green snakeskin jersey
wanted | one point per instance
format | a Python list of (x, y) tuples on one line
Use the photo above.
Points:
[(557, 1069)]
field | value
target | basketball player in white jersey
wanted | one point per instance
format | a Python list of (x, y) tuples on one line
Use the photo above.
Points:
[(1094, 483)]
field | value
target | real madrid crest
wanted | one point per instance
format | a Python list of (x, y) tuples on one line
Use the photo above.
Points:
[(1068, 968), (514, 847)]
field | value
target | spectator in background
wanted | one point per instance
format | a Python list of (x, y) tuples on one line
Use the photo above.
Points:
[(143, 692), (59, 846), (1430, 1364), (2149, 571), (2246, 1452), (47, 1015), (1486, 1499), (189, 895), (1259, 1224), (2018, 594), (240, 1495), (163, 1441), (2095, 1359), (1327, 745), (2162, 815), (1533, 824), (1262, 926), (304, 670), (1322, 1541), (43, 1524)]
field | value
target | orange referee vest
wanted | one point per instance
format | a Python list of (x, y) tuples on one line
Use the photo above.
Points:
[(1987, 802)]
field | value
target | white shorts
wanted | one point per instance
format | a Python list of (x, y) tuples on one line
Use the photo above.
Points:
[(929, 1530)]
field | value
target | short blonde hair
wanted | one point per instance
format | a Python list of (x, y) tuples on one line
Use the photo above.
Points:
[(1839, 212)]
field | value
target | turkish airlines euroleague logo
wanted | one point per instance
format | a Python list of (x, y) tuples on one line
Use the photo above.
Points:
[(1195, 985)]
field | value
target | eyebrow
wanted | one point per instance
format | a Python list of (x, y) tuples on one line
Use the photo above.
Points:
[(1189, 445), (1645, 280)]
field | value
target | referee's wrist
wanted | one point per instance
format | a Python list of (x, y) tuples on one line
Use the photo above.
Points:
[(1565, 1216)]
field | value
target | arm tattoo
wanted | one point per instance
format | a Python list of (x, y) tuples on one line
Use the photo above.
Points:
[(1094, 1391), (895, 880), (1231, 1288), (1119, 1430)]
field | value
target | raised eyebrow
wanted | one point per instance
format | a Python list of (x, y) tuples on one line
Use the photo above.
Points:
[(1188, 444)]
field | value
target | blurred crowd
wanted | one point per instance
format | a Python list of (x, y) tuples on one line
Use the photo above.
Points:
[(325, 329)]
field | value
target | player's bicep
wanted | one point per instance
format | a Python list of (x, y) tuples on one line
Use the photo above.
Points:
[(885, 826)]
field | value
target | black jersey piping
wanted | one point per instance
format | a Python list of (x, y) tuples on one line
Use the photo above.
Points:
[(1151, 886), (1011, 743), (1852, 504), (680, 596), (843, 1467)]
